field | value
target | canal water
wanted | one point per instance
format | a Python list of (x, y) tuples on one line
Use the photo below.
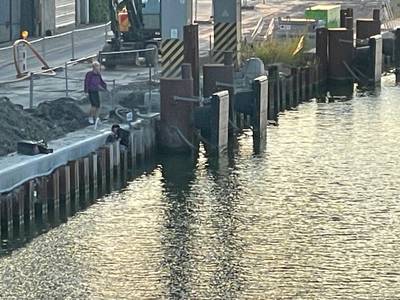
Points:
[(315, 216)]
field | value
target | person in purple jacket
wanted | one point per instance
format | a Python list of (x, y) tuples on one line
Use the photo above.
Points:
[(93, 84)]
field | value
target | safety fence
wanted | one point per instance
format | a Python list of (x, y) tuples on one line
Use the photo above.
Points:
[(69, 45), (67, 80)]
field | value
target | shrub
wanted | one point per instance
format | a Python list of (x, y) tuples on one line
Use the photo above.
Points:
[(275, 51), (99, 12)]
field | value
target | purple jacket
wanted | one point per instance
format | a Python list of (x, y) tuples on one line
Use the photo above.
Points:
[(94, 82)]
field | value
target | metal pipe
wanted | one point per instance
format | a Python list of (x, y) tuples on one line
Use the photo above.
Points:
[(72, 45), (31, 91), (66, 80)]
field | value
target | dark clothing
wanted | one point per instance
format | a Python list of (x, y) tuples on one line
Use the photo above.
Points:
[(122, 135), (94, 98), (94, 82)]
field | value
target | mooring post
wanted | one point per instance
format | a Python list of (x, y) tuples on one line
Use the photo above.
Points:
[(273, 95), (74, 172), (93, 175), (290, 93), (376, 45), (65, 192), (177, 104), (102, 171), (282, 93), (53, 200), (397, 54), (191, 56), (218, 77), (260, 109), (322, 53)]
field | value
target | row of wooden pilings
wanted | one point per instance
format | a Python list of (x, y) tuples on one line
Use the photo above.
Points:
[(47, 201), (287, 91)]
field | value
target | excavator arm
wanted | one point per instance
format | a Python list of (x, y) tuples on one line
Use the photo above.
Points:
[(134, 9)]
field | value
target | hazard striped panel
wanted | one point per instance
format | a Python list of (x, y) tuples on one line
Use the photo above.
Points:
[(225, 39), (172, 55)]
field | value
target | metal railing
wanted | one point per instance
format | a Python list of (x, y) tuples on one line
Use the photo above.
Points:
[(68, 41)]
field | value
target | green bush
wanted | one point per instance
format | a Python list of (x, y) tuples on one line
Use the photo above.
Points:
[(99, 12), (275, 51)]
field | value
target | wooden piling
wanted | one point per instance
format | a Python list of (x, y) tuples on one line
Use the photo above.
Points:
[(124, 166)]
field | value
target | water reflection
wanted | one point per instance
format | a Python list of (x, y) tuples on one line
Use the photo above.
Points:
[(314, 216)]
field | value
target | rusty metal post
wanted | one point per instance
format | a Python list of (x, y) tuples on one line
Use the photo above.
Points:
[(84, 181), (191, 54), (65, 192), (341, 51), (42, 201), (132, 150), (19, 220), (273, 95), (53, 199), (218, 77), (295, 88), (109, 167), (376, 14), (282, 93), (124, 166), (367, 28), (74, 172), (101, 171), (322, 51), (29, 206), (93, 175), (176, 125)]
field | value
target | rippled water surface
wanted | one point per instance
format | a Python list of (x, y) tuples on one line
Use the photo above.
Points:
[(317, 216)]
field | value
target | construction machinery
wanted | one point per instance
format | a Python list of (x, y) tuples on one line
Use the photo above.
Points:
[(136, 24)]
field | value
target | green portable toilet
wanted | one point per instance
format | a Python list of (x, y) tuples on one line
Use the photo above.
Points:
[(328, 14)]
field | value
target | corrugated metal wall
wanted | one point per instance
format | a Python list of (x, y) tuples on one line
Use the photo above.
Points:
[(10, 16), (5, 20), (65, 13)]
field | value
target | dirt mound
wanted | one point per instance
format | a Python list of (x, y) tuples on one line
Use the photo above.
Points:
[(49, 121)]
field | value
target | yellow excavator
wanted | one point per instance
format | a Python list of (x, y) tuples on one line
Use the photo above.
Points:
[(136, 24)]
